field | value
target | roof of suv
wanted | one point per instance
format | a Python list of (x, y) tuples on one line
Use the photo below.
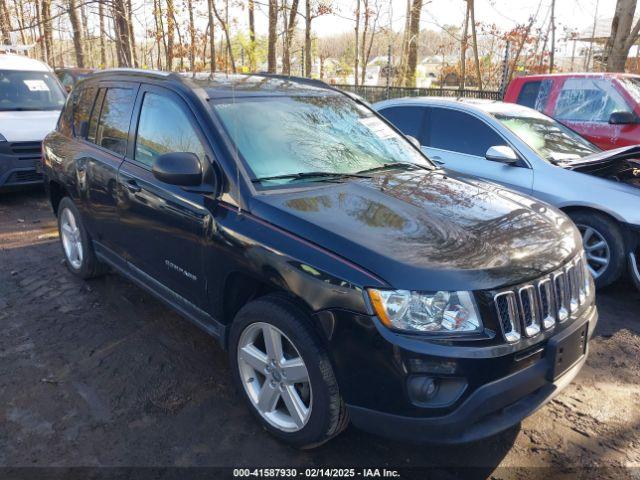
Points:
[(221, 85), (10, 61)]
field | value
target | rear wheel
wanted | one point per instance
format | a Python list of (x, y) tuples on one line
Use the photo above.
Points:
[(76, 245), (603, 245), (284, 373)]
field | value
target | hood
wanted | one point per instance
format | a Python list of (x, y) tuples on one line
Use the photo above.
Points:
[(21, 126), (426, 230), (620, 164)]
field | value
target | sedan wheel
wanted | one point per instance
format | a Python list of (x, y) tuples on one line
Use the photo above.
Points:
[(597, 250), (275, 377)]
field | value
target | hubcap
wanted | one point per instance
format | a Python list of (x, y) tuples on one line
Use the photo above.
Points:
[(275, 377), (596, 249), (71, 239)]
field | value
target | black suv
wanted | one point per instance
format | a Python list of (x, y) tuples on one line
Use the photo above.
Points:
[(348, 277)]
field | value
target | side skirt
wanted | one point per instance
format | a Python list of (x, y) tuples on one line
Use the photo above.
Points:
[(177, 302)]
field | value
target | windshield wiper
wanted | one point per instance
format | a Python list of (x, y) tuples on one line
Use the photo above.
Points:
[(321, 176), (393, 165)]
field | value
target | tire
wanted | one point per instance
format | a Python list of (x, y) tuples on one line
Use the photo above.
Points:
[(608, 230), (85, 264), (327, 414)]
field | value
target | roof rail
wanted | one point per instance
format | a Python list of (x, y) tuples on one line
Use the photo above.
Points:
[(304, 80), (140, 71)]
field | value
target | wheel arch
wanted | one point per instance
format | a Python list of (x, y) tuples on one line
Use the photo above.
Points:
[(57, 192)]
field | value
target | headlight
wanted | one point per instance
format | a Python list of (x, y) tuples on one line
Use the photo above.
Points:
[(440, 312)]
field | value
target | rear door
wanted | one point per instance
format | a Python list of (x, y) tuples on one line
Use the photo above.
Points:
[(164, 224), (459, 141), (102, 152)]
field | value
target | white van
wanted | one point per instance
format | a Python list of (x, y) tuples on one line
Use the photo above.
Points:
[(31, 99)]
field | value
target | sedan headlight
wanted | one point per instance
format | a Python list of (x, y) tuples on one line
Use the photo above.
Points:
[(439, 312)]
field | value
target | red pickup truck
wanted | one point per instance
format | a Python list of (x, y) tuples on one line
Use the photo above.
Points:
[(603, 107)]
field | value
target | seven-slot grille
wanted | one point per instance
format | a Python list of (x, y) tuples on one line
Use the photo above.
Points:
[(538, 305)]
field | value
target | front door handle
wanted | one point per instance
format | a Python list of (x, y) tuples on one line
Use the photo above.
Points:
[(133, 186)]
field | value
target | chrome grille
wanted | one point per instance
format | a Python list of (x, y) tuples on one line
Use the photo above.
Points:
[(536, 306)]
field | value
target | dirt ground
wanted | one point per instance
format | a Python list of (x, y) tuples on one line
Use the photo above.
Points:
[(101, 374)]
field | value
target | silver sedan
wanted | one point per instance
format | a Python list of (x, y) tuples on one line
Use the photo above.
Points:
[(527, 151)]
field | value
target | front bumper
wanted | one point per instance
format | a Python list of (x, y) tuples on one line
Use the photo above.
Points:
[(20, 164), (489, 409)]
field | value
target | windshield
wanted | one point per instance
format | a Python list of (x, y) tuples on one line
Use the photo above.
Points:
[(279, 136), (551, 140), (21, 90)]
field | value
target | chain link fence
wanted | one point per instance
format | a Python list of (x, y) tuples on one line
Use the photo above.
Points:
[(376, 93)]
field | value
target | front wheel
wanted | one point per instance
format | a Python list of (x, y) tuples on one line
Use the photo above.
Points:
[(603, 245), (284, 373), (76, 244)]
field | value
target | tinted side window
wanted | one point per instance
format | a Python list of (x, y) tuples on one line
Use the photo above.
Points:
[(589, 100), (95, 114), (163, 128), (535, 94), (113, 127), (461, 132), (409, 120), (83, 106)]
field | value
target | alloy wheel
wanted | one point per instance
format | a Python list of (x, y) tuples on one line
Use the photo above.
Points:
[(71, 238), (596, 249), (274, 376)]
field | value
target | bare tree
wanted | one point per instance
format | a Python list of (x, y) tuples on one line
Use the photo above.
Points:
[(47, 27), (355, 50), (474, 39), (288, 37), (273, 25), (414, 34), (252, 36), (192, 37), (624, 34), (170, 34), (463, 48), (76, 26), (212, 38), (122, 37), (225, 29), (103, 34)]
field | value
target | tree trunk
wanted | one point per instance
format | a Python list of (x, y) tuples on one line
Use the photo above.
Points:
[(355, 50), (225, 28), (307, 38), (121, 26), (414, 37), (132, 37), (103, 34), (363, 42), (5, 25), (273, 36), (43, 49), (288, 38), (474, 38), (212, 38), (192, 37), (252, 36), (48, 31), (402, 68), (463, 49), (77, 32), (622, 37), (170, 34), (552, 54), (19, 8)]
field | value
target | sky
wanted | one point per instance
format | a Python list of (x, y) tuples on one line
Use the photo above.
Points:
[(575, 14)]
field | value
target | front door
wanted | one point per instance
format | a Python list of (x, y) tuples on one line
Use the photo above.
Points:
[(459, 141), (165, 224)]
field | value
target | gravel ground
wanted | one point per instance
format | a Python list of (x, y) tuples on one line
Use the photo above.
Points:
[(101, 374)]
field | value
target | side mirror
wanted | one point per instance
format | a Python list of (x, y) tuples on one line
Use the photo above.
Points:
[(414, 140), (178, 168), (84, 129), (502, 154), (622, 118)]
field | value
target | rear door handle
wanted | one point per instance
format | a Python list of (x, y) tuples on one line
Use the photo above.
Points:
[(133, 186)]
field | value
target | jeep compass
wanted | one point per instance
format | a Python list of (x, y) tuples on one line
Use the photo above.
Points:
[(349, 278)]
